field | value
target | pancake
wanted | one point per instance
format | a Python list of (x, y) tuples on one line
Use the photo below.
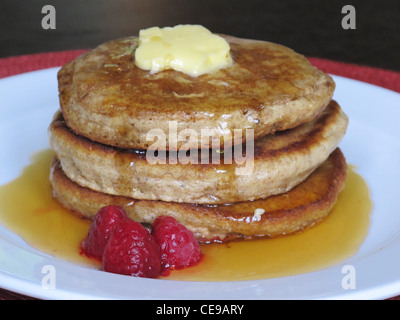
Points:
[(281, 161), (268, 88), (298, 209)]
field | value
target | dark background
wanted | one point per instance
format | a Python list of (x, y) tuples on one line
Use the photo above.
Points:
[(311, 27)]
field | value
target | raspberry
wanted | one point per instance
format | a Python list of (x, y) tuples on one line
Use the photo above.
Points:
[(179, 248), (100, 230), (131, 250)]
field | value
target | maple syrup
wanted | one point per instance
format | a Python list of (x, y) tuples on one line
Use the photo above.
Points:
[(28, 209)]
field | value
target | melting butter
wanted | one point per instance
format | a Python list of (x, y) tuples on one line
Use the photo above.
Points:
[(191, 49)]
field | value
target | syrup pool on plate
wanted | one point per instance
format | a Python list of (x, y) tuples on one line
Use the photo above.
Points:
[(28, 209)]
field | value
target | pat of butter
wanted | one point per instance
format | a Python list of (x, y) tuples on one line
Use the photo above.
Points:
[(257, 214), (191, 49)]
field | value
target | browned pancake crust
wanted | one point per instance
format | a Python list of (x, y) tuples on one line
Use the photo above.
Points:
[(300, 208), (281, 161), (269, 87)]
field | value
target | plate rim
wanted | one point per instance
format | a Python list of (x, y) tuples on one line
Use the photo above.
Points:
[(17, 284)]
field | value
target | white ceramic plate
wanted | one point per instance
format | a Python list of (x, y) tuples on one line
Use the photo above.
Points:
[(27, 105)]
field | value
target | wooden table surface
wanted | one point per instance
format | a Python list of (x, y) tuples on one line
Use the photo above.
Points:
[(311, 27)]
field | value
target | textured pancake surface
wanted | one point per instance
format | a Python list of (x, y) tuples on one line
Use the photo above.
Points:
[(268, 88), (300, 208), (281, 161)]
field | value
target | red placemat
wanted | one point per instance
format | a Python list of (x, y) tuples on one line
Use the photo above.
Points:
[(380, 77), (25, 63)]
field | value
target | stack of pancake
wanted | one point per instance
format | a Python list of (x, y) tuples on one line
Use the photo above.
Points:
[(100, 137)]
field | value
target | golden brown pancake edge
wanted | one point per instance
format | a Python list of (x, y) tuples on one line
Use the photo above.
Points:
[(296, 210)]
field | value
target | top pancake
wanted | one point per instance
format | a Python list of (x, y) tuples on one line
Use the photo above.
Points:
[(269, 87)]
